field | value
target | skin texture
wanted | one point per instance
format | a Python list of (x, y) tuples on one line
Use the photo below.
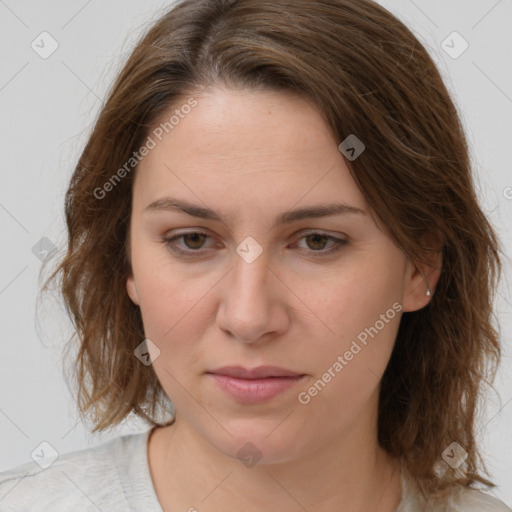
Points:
[(251, 156)]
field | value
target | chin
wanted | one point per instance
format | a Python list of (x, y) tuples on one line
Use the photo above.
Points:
[(258, 441)]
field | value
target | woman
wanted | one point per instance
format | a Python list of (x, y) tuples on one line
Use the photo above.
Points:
[(274, 225)]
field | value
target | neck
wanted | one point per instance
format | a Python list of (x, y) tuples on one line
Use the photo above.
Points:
[(350, 473)]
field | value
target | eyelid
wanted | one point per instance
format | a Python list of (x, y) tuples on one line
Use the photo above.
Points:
[(168, 240), (338, 241)]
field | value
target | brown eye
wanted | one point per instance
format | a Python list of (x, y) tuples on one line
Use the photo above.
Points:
[(317, 241), (316, 244), (194, 240), (192, 243)]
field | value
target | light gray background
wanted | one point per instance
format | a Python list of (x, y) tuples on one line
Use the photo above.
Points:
[(47, 107)]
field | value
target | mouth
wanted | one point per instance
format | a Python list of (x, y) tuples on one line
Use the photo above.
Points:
[(260, 372), (256, 385)]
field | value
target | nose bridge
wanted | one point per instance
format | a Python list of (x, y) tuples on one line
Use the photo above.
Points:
[(251, 269), (248, 310)]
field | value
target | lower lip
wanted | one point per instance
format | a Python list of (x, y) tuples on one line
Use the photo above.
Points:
[(253, 391)]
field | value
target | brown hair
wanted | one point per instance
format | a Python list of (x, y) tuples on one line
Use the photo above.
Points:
[(368, 75)]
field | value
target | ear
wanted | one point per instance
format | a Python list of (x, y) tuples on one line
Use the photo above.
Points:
[(422, 275), (132, 290)]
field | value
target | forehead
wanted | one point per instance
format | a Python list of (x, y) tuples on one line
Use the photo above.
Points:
[(226, 123), (246, 147)]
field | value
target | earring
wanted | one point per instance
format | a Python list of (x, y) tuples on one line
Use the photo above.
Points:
[(428, 293)]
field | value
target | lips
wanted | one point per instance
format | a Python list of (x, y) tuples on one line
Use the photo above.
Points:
[(261, 372), (256, 385)]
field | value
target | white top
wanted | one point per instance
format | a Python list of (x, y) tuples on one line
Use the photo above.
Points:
[(115, 476)]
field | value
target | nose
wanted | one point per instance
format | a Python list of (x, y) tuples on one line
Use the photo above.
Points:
[(252, 308)]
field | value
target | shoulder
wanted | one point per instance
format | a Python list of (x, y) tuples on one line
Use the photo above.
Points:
[(463, 499), (472, 500), (86, 479), (458, 499)]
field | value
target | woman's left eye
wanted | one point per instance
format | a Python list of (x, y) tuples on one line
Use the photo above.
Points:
[(322, 239), (194, 242)]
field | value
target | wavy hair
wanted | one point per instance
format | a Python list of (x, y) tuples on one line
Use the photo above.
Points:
[(368, 75)]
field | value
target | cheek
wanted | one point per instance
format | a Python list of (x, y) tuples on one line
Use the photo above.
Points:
[(172, 309), (360, 311), (165, 292), (348, 371), (352, 297), (176, 310)]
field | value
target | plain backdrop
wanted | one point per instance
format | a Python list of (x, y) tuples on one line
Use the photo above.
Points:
[(47, 107)]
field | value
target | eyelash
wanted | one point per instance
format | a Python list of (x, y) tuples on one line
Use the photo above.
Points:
[(169, 242)]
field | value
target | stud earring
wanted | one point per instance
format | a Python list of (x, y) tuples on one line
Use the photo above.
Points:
[(428, 293)]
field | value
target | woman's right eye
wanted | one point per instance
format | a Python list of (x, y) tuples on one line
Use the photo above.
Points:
[(193, 241)]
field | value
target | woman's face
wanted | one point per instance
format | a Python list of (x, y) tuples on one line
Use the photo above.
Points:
[(259, 285)]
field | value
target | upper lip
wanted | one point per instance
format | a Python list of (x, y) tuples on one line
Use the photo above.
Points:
[(260, 372)]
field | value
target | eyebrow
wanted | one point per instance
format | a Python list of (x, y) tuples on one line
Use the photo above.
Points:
[(172, 204)]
